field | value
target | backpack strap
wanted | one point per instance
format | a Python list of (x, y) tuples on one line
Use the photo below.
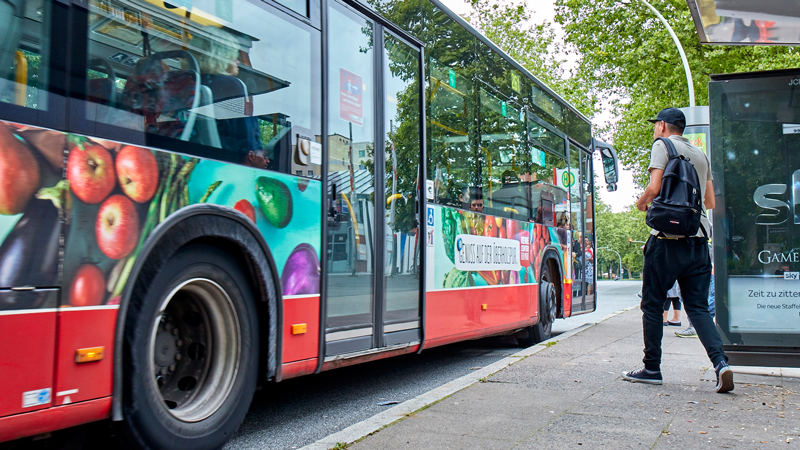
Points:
[(705, 233), (670, 147)]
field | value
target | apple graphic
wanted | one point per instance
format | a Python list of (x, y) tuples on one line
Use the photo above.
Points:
[(117, 227), (88, 286), (90, 172), (244, 207), (19, 174), (137, 172)]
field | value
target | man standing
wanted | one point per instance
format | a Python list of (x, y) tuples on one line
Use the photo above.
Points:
[(668, 258)]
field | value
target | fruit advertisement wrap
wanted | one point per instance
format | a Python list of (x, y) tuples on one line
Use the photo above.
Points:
[(86, 206), (467, 249)]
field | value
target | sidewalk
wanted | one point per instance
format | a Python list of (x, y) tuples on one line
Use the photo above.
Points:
[(571, 395)]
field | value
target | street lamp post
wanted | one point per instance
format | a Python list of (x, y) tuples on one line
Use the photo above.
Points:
[(618, 255), (680, 50)]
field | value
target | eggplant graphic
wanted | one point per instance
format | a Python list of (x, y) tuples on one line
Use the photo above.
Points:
[(29, 256)]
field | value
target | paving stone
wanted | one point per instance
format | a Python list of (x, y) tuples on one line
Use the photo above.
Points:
[(571, 395), (427, 440), (557, 441)]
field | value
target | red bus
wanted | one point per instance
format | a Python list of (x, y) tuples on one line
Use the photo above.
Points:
[(198, 197)]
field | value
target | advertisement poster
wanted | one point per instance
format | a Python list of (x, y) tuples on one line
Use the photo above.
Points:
[(87, 206), (764, 305), (468, 249), (699, 140), (351, 97)]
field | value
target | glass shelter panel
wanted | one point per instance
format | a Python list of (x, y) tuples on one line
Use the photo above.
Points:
[(755, 132)]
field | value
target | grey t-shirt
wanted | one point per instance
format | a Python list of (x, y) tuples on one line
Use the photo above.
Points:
[(659, 158)]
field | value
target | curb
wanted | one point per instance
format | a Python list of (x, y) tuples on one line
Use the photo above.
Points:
[(381, 420)]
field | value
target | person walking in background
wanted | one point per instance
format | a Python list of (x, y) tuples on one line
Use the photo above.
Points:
[(588, 257), (668, 258), (674, 299)]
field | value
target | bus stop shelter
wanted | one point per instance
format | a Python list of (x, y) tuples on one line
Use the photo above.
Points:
[(755, 137)]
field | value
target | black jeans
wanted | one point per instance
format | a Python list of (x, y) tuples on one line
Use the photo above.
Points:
[(688, 261)]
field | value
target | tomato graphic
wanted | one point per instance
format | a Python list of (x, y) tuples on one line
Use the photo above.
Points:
[(246, 208), (88, 286)]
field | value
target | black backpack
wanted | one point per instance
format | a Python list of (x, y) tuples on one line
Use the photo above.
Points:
[(679, 205)]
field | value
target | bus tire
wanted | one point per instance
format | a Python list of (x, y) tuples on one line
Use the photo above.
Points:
[(548, 301), (191, 353)]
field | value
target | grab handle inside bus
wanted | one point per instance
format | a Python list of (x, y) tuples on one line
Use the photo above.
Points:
[(21, 77)]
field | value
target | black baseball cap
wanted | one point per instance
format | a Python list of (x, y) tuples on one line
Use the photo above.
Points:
[(670, 115)]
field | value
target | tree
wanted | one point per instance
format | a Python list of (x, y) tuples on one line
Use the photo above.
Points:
[(626, 55), (615, 230)]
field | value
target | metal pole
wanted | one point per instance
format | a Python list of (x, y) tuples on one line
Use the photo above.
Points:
[(353, 198), (680, 50), (394, 201), (618, 255)]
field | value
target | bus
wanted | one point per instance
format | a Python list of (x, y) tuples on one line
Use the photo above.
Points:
[(199, 197)]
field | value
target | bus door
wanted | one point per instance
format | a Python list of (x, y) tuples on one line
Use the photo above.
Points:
[(582, 218), (374, 141), (589, 242)]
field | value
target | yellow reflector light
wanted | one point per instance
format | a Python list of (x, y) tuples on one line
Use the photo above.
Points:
[(84, 355), (299, 328), (567, 281), (484, 306)]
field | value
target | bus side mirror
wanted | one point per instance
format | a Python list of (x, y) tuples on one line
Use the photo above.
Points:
[(610, 164)]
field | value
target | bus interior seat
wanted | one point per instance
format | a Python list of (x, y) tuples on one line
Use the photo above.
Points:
[(206, 132), (167, 100), (12, 14), (231, 100), (279, 149), (102, 90)]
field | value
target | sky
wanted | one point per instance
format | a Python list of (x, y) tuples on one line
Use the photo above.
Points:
[(627, 192)]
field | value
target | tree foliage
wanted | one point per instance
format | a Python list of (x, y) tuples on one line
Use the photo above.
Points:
[(614, 230), (626, 56)]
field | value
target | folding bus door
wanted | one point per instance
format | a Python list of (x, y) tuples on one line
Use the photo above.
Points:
[(374, 153)]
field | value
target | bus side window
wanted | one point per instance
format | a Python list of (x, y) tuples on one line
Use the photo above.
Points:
[(238, 87), (25, 49)]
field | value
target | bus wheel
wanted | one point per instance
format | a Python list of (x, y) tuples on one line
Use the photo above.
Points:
[(543, 330), (191, 353)]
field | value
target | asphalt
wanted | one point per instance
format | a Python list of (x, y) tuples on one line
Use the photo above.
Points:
[(569, 394)]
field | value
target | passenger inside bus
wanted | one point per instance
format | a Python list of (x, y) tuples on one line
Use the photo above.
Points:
[(473, 198), (217, 57)]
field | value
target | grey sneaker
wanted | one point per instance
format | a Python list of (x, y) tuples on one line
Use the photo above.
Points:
[(687, 333), (642, 375)]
